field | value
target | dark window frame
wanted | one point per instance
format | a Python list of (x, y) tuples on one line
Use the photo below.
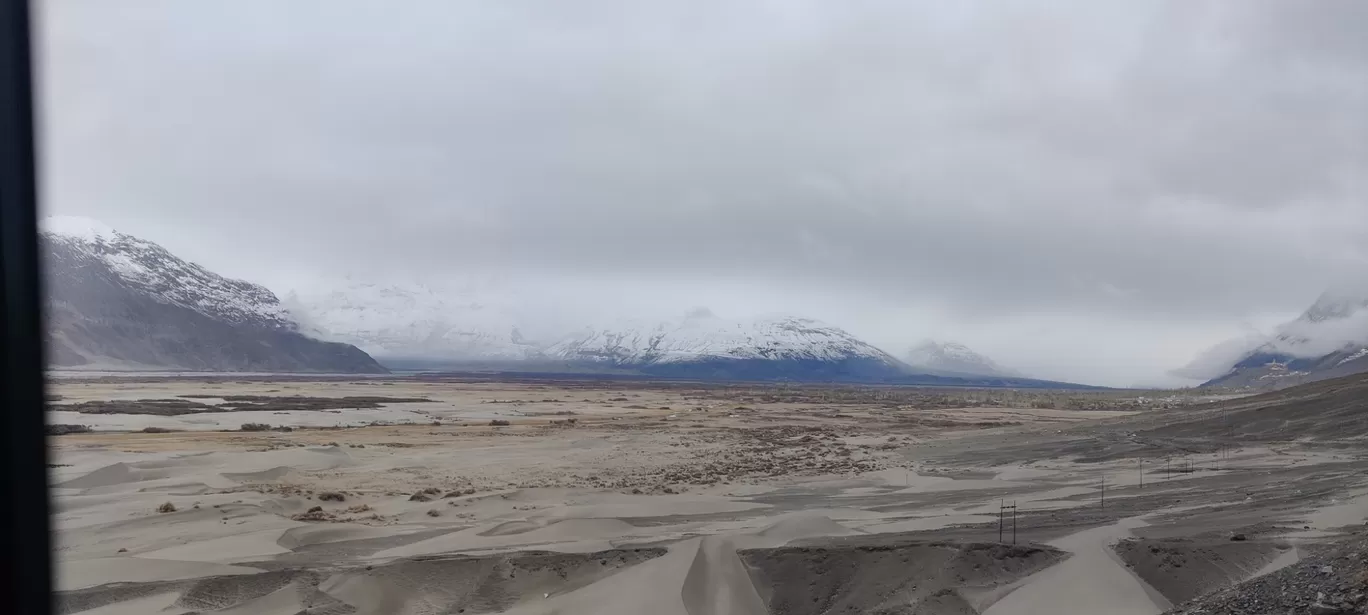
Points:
[(26, 572)]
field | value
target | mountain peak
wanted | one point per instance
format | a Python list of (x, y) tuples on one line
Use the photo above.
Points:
[(1336, 303), (1328, 340), (695, 340), (79, 227), (159, 274), (117, 301), (953, 357)]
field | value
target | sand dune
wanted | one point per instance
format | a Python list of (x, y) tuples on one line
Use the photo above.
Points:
[(887, 574), (481, 538), (1182, 569), (800, 525), (250, 546), (309, 535), (657, 587), (738, 574), (496, 583), (273, 474), (116, 474), (77, 574)]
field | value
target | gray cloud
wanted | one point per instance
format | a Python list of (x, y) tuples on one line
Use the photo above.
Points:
[(1141, 176)]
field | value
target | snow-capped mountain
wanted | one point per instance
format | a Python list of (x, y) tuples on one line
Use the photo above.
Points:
[(415, 321), (1336, 304), (953, 358), (1329, 339), (119, 302), (149, 268), (704, 345)]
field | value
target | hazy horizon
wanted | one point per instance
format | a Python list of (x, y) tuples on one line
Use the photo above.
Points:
[(1091, 193)]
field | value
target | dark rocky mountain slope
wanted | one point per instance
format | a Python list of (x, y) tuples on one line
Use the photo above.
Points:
[(118, 302)]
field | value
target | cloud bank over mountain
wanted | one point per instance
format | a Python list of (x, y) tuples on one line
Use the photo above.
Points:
[(1093, 191)]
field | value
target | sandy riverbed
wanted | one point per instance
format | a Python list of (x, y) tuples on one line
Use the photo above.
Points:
[(659, 499)]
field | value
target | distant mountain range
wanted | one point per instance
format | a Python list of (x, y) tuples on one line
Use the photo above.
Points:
[(118, 302), (953, 359), (701, 345), (122, 303), (1329, 339)]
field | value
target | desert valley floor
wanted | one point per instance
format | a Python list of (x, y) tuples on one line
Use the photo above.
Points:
[(407, 495)]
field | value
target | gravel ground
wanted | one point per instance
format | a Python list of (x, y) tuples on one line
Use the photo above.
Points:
[(1329, 580)]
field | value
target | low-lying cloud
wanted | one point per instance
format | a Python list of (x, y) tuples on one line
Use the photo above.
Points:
[(1150, 173), (1300, 338)]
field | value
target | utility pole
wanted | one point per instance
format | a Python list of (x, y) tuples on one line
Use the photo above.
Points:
[(1104, 491), (1014, 509), (1142, 472), (1003, 507)]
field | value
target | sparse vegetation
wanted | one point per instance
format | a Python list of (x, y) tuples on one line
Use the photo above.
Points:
[(155, 429), (62, 430), (499, 423), (231, 403), (255, 427), (166, 507), (314, 514), (426, 495), (332, 496)]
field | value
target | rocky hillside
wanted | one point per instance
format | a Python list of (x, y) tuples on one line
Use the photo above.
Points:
[(1326, 410), (1329, 579), (119, 302)]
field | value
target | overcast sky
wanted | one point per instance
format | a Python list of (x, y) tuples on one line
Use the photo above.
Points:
[(1090, 191)]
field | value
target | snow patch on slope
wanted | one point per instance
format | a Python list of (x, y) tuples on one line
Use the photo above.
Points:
[(1359, 354)]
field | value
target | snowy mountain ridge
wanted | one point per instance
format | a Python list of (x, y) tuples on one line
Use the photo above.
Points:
[(956, 358), (163, 276), (114, 301), (701, 335)]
